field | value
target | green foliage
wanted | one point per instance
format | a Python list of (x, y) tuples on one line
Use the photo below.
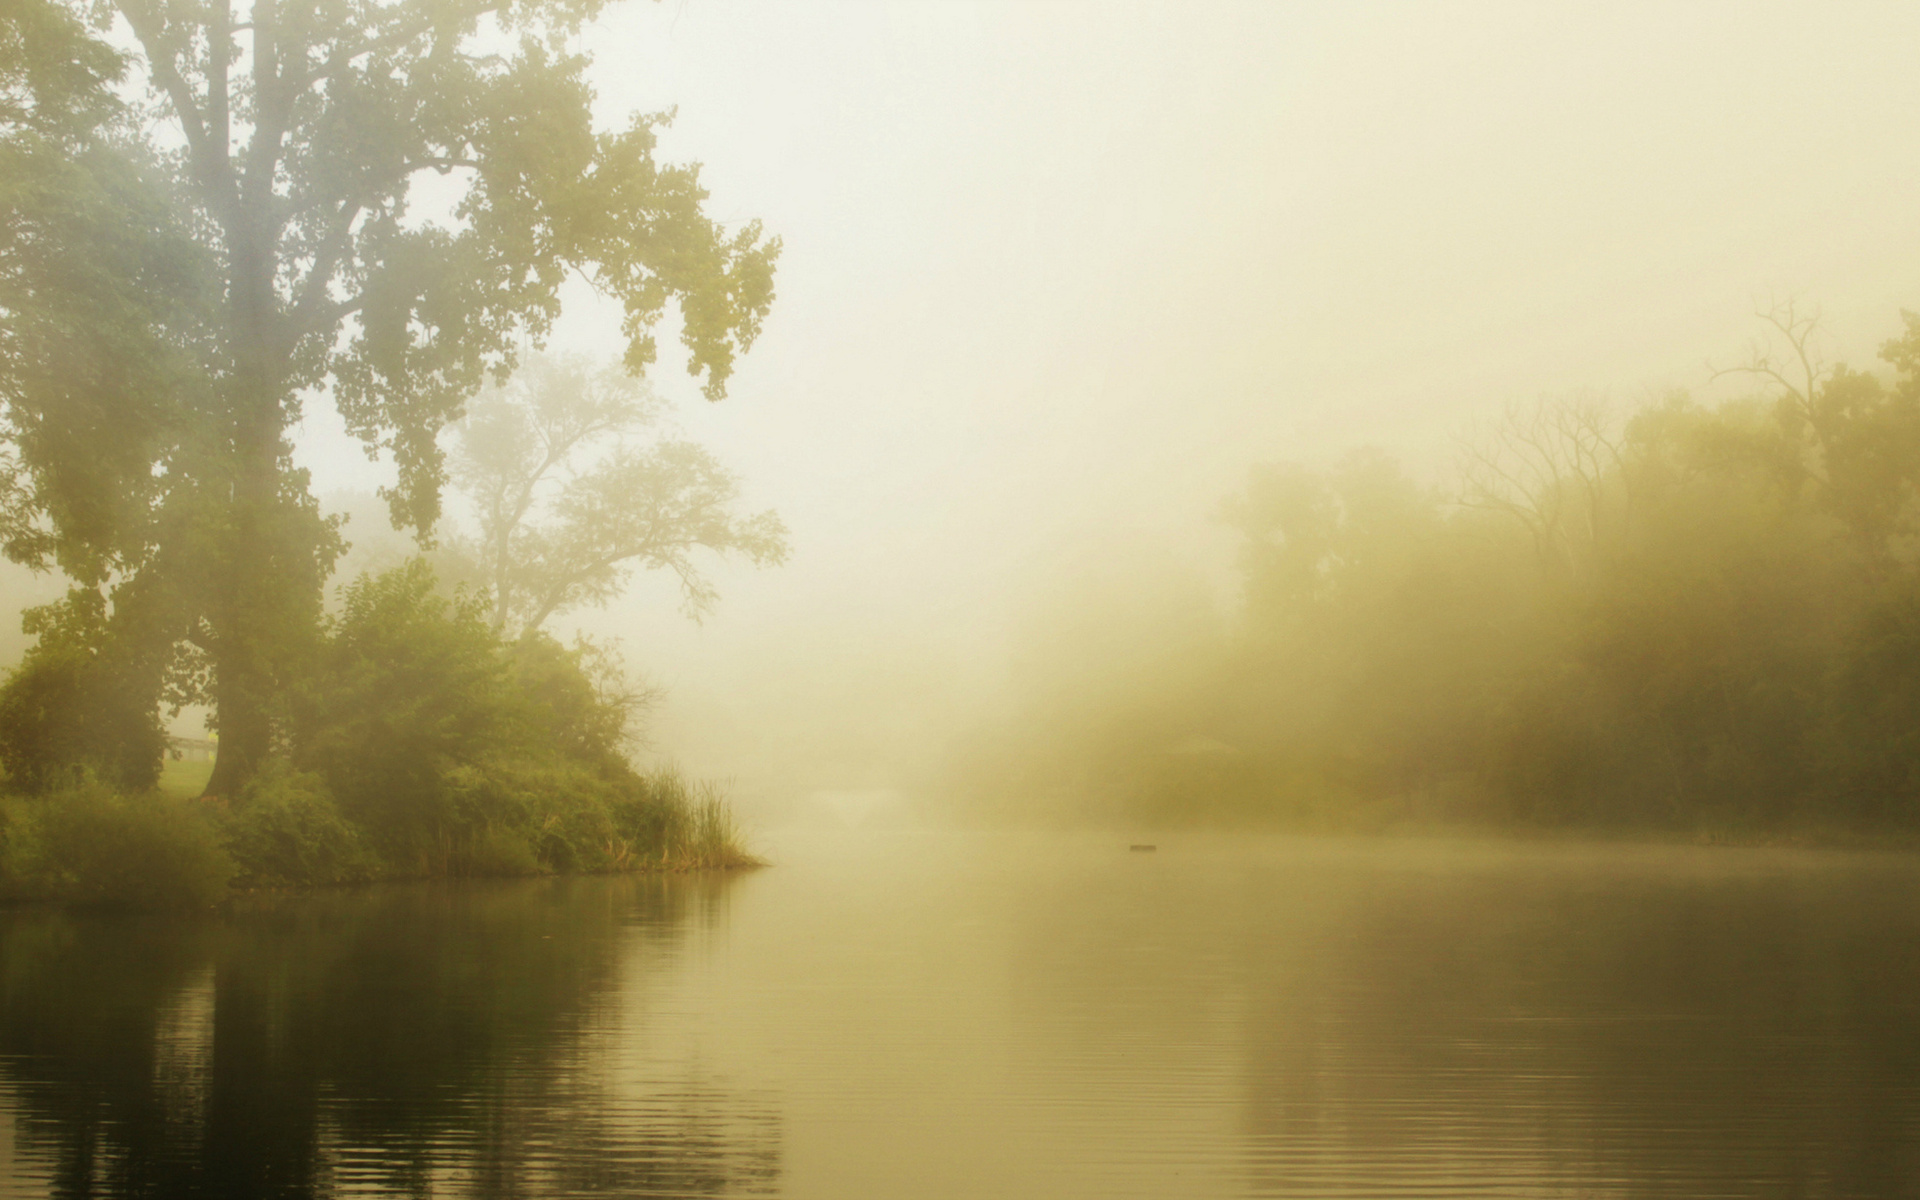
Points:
[(102, 293), (286, 831), (89, 845), (500, 853), (420, 744), (576, 703), (19, 849), (1873, 747), (178, 276), (460, 753), (67, 710), (527, 817), (410, 686), (55, 78)]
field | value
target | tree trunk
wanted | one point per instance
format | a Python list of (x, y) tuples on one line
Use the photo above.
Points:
[(246, 733), (264, 593), (248, 621), (265, 598)]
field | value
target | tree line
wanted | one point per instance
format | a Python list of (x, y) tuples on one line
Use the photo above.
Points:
[(1701, 617)]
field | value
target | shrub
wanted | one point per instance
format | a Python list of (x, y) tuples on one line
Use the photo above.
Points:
[(147, 851), (412, 687), (577, 703), (19, 849), (64, 711), (564, 817), (430, 746), (287, 831), (651, 811), (437, 738), (560, 811), (499, 852)]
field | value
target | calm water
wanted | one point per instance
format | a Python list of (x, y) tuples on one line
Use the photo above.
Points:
[(899, 1016)]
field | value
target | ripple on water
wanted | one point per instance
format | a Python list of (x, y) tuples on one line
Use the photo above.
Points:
[(956, 1015)]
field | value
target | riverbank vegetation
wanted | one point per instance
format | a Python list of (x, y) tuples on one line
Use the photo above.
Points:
[(1700, 619), (418, 743)]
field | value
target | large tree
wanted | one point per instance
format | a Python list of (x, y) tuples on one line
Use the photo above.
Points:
[(186, 262)]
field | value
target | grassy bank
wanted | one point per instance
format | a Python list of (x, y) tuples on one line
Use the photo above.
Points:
[(166, 848), (184, 780)]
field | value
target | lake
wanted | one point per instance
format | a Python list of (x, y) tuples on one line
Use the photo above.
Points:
[(900, 1015)]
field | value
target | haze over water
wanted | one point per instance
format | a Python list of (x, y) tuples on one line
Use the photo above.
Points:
[(942, 1015), (1062, 283), (1055, 275)]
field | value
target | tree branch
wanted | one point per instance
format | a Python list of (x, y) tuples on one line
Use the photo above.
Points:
[(273, 107), (313, 289), (400, 36), (215, 175), (219, 104)]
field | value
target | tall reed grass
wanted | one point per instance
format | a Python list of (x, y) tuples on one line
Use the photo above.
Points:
[(698, 830)]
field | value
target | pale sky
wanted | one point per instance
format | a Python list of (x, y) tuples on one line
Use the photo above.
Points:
[(1057, 273)]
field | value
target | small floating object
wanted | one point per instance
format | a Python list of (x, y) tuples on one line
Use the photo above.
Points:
[(1139, 847)]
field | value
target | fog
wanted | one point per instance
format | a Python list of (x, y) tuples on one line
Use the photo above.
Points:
[(1056, 276), (1295, 599)]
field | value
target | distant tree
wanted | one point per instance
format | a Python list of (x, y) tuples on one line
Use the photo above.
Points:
[(179, 275), (1843, 437), (569, 500), (1554, 467), (1310, 537)]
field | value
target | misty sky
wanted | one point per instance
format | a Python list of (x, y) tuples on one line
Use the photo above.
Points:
[(1057, 273)]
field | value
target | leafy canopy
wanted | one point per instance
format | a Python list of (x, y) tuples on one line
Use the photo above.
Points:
[(288, 148), (210, 216)]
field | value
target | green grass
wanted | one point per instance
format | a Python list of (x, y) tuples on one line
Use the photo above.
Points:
[(184, 779)]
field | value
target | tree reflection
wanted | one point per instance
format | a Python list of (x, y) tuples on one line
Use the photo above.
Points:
[(1423, 1019), (433, 1039), (1560, 1029)]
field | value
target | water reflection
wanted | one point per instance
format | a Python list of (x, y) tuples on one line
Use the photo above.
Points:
[(937, 1016), (431, 1040), (1527, 1021)]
